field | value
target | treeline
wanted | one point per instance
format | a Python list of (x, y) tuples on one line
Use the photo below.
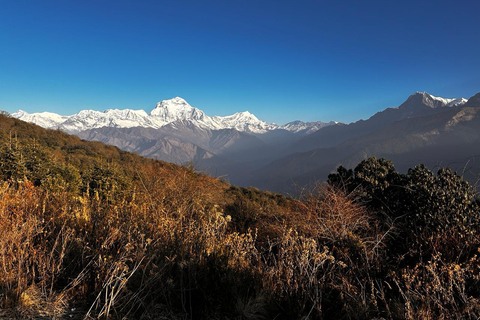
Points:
[(91, 232)]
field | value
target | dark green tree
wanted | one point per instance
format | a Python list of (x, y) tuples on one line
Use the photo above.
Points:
[(429, 212), (12, 163)]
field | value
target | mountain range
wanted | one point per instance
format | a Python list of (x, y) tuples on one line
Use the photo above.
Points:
[(248, 151), (166, 112)]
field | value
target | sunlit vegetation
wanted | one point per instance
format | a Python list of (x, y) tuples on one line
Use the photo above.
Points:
[(88, 231)]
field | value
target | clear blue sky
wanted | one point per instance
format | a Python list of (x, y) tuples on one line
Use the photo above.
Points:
[(281, 60)]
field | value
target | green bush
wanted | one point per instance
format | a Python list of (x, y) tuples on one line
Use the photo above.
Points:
[(430, 212)]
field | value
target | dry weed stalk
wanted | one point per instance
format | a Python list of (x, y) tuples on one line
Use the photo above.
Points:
[(438, 289), (31, 256)]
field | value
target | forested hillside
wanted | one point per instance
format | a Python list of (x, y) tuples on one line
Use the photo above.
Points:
[(89, 231)]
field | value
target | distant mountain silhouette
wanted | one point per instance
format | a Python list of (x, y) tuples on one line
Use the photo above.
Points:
[(418, 104), (440, 137)]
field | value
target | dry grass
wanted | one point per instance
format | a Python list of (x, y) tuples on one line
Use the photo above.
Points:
[(31, 255), (334, 216), (168, 248), (439, 289)]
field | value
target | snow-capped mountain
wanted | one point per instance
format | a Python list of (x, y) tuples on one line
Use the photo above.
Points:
[(427, 100), (168, 111), (307, 127), (447, 102), (43, 119), (89, 119), (245, 121), (165, 112)]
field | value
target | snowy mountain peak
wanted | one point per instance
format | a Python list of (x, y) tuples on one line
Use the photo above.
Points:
[(244, 121), (243, 116), (432, 101), (457, 102), (422, 97), (174, 103), (307, 127), (43, 119), (177, 109), (19, 113), (449, 102)]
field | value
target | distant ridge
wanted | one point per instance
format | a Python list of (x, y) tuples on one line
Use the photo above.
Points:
[(417, 104), (424, 129)]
